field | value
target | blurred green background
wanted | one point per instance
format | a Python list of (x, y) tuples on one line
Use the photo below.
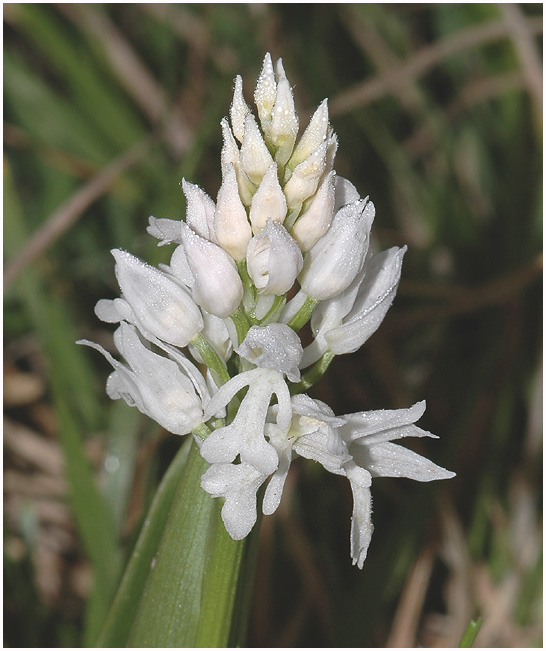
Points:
[(438, 109)]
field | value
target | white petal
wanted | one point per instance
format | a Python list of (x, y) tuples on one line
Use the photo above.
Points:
[(165, 230), (391, 460), (361, 521)]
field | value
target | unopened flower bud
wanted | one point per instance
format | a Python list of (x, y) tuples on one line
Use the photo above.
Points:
[(273, 259), (266, 91), (316, 220), (160, 306), (332, 264), (218, 287), (313, 136), (255, 156), (269, 202), (231, 224), (199, 211), (231, 156), (306, 177), (239, 110), (283, 129)]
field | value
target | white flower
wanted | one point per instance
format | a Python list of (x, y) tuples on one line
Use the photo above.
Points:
[(231, 225), (273, 260), (269, 202), (217, 287), (368, 436), (346, 321), (274, 346), (157, 386), (335, 260), (158, 305), (315, 221)]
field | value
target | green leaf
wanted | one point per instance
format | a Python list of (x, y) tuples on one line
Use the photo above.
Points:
[(189, 596), (125, 606)]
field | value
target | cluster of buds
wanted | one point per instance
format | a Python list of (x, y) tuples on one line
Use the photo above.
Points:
[(287, 241)]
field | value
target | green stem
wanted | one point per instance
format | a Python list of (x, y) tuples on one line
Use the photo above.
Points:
[(314, 374), (303, 314), (211, 359), (241, 323)]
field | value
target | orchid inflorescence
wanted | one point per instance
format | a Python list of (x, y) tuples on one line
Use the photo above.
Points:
[(287, 241)]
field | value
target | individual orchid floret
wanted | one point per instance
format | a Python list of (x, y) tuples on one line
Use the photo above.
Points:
[(238, 484), (255, 156), (269, 202), (159, 305), (273, 260), (335, 260), (274, 346), (345, 322), (231, 225), (157, 386), (316, 219), (218, 287), (375, 296), (244, 436), (368, 436), (200, 211)]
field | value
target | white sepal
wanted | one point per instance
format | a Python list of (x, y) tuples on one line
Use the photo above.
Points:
[(266, 91), (255, 156), (314, 135), (239, 110), (374, 297), (306, 177)]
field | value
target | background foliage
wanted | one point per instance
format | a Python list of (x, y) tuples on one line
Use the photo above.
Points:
[(438, 109)]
